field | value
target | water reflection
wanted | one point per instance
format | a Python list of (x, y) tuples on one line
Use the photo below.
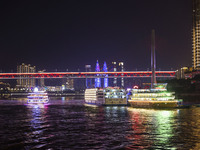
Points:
[(38, 124), (164, 123), (106, 127), (70, 124), (151, 128), (188, 128)]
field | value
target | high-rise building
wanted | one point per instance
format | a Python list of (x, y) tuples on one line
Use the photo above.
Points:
[(114, 69), (105, 69), (196, 35), (121, 64), (42, 84), (70, 84), (23, 68), (88, 80), (97, 80)]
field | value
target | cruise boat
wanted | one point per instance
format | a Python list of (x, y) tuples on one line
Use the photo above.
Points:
[(153, 98), (37, 97), (106, 96)]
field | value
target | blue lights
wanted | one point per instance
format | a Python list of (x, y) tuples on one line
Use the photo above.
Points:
[(97, 80), (105, 69)]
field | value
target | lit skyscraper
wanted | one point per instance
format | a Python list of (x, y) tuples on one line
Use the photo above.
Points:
[(114, 69), (97, 80), (42, 79), (88, 80), (23, 68), (196, 35), (122, 69), (105, 69), (70, 84)]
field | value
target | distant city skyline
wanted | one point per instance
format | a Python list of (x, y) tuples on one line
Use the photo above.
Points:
[(71, 34)]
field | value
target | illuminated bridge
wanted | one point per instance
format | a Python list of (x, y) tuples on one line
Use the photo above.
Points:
[(125, 74)]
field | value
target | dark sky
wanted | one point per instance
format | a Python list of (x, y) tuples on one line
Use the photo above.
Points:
[(69, 34)]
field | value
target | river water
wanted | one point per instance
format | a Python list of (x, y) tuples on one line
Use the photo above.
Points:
[(70, 124)]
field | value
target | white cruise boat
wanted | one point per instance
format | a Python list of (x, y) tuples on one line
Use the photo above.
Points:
[(106, 96), (37, 97)]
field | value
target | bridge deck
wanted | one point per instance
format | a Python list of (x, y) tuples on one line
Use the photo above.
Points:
[(126, 74)]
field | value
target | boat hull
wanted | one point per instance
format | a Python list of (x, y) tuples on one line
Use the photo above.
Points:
[(108, 102), (154, 104), (115, 101)]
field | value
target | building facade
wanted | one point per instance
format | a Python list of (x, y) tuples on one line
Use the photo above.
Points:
[(97, 80), (23, 68), (88, 81), (70, 84), (118, 67), (105, 69), (114, 69), (121, 64), (196, 35), (41, 81)]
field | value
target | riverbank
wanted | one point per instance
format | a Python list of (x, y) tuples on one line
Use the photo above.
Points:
[(25, 94), (189, 99)]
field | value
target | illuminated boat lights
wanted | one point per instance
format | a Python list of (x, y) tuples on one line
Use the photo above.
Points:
[(37, 97), (106, 96), (153, 98)]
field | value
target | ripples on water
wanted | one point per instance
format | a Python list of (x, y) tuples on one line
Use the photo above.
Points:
[(70, 124)]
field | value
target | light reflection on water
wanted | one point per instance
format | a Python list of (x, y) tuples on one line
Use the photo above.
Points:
[(70, 124), (152, 128), (37, 125)]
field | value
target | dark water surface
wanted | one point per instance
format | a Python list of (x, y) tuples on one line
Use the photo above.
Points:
[(70, 124)]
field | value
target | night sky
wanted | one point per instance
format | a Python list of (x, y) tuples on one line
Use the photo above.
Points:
[(69, 34)]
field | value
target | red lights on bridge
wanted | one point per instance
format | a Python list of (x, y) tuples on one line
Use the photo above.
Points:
[(87, 74)]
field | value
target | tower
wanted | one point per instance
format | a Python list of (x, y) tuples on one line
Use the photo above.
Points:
[(153, 59), (88, 80), (122, 69), (114, 69), (97, 80), (105, 69), (196, 35), (41, 81)]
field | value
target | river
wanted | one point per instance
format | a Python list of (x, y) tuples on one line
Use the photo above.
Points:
[(67, 123)]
